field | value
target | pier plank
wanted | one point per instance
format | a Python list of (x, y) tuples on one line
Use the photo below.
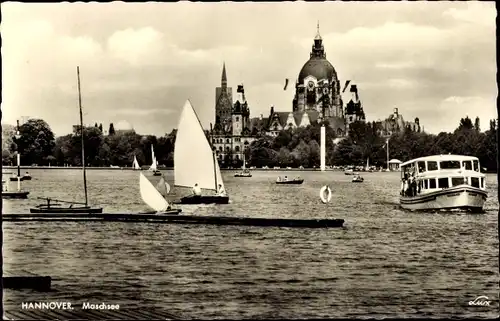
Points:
[(31, 281), (179, 219), (79, 314)]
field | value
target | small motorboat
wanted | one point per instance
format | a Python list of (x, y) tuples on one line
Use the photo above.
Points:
[(357, 179), (25, 177), (286, 181), (245, 173), (14, 194)]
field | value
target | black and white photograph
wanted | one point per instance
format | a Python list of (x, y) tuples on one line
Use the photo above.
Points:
[(249, 160)]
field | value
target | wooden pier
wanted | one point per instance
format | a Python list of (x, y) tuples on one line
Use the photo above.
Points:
[(177, 219), (79, 314), (26, 280)]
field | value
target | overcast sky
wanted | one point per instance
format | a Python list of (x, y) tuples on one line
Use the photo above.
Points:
[(140, 62)]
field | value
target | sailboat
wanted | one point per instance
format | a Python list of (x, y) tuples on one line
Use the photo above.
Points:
[(154, 165), (80, 208), (194, 160), (5, 184), (245, 172), (153, 198), (135, 164)]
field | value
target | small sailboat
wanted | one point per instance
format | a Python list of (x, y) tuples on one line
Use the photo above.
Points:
[(195, 161), (12, 194), (154, 165), (135, 164), (245, 172), (153, 198), (81, 208)]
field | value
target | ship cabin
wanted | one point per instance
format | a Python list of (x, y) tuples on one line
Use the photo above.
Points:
[(434, 173)]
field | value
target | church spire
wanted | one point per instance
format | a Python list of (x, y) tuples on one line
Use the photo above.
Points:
[(318, 51), (224, 78), (318, 36)]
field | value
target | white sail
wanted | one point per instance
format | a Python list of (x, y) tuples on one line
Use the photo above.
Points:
[(154, 162), (151, 196), (218, 174), (135, 164), (163, 187), (194, 161)]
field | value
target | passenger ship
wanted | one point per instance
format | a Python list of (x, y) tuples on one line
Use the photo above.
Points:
[(443, 182)]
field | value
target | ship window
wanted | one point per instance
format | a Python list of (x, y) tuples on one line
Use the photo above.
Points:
[(220, 148), (449, 165), (443, 182), (476, 166), (227, 148), (432, 166), (482, 182), (227, 141), (474, 182), (455, 181), (237, 148), (237, 118), (421, 167), (432, 183), (467, 165), (426, 184)]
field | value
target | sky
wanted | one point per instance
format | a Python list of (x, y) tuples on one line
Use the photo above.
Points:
[(139, 62)]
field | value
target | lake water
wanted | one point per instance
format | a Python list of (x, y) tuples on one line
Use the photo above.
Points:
[(385, 262)]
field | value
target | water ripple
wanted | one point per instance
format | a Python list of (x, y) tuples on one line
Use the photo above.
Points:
[(384, 263)]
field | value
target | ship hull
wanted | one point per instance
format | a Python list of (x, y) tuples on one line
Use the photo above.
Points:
[(204, 199), (67, 210), (462, 197)]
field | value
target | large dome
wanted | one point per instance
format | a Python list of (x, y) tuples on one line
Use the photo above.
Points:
[(319, 68)]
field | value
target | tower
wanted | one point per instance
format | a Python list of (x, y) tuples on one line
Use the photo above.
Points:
[(317, 87), (354, 109), (223, 102)]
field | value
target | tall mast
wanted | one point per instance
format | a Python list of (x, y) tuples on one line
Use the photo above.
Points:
[(387, 153), (81, 132)]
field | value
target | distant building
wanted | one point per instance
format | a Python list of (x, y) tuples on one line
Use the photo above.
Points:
[(317, 98), (395, 123), (230, 135)]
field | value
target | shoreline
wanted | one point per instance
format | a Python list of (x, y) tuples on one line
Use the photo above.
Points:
[(171, 168)]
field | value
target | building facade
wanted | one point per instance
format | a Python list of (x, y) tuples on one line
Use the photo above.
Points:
[(231, 134), (318, 97), (395, 123)]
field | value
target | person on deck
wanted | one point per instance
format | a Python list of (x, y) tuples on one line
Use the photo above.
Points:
[(196, 190), (221, 191)]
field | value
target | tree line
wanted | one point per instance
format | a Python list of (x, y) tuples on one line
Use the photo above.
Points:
[(291, 147)]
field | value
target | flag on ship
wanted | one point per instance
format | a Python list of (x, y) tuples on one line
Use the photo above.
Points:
[(286, 83), (240, 89)]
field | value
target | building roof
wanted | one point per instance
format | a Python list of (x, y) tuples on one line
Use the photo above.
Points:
[(319, 68), (438, 158)]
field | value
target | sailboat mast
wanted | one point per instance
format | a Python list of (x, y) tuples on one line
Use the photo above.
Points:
[(81, 131), (215, 170)]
